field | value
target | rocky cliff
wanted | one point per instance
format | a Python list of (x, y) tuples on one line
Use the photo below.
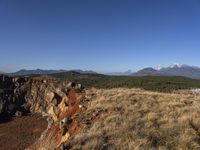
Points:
[(59, 100)]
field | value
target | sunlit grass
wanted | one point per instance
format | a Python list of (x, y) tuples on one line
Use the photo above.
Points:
[(137, 119)]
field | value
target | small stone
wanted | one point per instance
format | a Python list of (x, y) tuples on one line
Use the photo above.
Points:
[(71, 85), (49, 121), (18, 113), (11, 108), (26, 107), (79, 86), (64, 125)]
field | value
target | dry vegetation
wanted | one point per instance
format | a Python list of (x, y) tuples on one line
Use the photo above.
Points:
[(136, 119)]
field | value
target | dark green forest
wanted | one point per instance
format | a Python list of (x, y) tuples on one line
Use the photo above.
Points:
[(153, 83)]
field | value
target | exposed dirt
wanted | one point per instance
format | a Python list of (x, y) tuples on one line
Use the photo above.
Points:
[(20, 132)]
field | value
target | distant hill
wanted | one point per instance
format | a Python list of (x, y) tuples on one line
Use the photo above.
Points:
[(146, 72), (23, 72), (126, 73), (173, 70), (46, 72), (84, 71)]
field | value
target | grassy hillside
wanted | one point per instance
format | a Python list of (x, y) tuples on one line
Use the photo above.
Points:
[(134, 119), (155, 83)]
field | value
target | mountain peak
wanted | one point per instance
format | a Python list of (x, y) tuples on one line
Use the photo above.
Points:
[(174, 69), (171, 66), (177, 65)]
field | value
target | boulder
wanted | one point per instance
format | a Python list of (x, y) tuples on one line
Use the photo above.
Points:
[(11, 108), (79, 87)]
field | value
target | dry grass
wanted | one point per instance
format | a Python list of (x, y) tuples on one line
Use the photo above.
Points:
[(136, 119)]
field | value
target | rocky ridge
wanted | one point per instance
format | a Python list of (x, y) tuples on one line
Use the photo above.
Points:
[(59, 100)]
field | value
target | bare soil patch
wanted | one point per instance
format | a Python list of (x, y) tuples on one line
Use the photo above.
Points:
[(20, 132)]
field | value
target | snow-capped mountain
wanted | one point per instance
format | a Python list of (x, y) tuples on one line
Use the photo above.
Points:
[(171, 70), (173, 65)]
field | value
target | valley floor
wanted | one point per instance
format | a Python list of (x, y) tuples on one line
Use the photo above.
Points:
[(19, 132), (137, 119)]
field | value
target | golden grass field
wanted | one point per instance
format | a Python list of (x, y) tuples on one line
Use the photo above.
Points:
[(139, 120)]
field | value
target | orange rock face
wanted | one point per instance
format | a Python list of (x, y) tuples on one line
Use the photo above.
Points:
[(60, 104)]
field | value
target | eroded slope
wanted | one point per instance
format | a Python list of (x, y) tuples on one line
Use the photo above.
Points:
[(59, 101)]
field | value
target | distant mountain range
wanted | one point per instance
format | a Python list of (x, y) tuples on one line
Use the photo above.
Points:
[(46, 72), (126, 73), (172, 70)]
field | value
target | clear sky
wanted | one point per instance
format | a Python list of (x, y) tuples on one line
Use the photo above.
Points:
[(101, 35)]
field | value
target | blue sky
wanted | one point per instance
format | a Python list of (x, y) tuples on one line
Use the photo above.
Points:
[(100, 35)]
